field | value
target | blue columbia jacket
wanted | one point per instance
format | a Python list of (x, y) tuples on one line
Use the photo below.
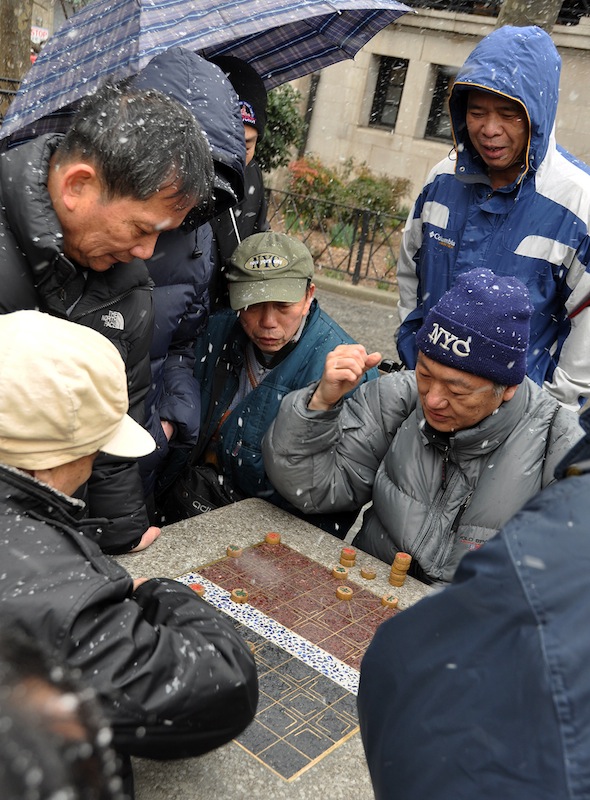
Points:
[(535, 229), (239, 449), (483, 690)]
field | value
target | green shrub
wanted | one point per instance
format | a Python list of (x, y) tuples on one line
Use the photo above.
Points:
[(315, 183), (350, 185), (342, 235), (378, 193), (284, 128)]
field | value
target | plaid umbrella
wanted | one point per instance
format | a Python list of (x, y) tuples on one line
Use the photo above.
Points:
[(282, 39)]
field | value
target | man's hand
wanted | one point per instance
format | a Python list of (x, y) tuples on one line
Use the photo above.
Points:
[(137, 583), (168, 429), (149, 537), (343, 371)]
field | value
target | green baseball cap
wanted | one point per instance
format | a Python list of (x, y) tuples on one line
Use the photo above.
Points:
[(268, 268)]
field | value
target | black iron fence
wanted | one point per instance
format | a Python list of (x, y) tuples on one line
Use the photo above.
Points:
[(354, 244)]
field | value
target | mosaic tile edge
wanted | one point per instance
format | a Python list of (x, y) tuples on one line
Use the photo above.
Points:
[(312, 655)]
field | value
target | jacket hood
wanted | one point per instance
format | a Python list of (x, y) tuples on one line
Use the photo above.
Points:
[(521, 64), (203, 89)]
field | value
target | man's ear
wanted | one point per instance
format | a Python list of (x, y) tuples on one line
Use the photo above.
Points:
[(509, 392), (309, 296), (76, 181)]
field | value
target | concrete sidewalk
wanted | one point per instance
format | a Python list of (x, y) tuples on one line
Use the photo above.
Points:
[(388, 298), (368, 315)]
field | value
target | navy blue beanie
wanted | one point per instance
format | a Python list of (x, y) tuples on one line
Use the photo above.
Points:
[(481, 325)]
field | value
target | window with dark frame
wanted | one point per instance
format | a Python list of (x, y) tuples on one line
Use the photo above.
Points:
[(388, 91), (439, 121)]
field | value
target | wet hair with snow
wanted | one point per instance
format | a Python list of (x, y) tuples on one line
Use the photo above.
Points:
[(54, 741), (140, 141)]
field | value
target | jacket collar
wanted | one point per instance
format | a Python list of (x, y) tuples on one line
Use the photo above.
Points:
[(38, 497), (49, 505)]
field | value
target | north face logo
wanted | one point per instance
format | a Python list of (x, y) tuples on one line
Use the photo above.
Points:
[(114, 319)]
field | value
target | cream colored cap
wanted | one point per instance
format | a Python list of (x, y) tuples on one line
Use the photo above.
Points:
[(63, 394)]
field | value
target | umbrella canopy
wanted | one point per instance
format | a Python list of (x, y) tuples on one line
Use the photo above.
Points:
[(282, 39)]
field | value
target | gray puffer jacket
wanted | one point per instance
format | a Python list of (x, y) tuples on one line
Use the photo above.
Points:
[(434, 496)]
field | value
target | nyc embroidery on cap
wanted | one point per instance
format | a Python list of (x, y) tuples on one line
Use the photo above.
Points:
[(448, 341), (265, 262)]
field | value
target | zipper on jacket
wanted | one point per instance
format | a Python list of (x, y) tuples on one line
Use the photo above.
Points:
[(108, 303), (439, 504), (460, 512), (445, 463)]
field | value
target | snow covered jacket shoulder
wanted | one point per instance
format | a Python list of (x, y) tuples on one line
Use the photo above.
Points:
[(162, 661), (222, 348), (535, 229), (482, 690), (433, 497), (118, 303)]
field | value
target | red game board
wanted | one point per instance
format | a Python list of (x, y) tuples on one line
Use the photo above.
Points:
[(301, 595)]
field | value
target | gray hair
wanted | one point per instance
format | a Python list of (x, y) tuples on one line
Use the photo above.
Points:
[(140, 141)]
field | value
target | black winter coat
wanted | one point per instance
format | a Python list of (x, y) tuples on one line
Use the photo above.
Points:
[(181, 269), (161, 659), (118, 303), (182, 265), (249, 217)]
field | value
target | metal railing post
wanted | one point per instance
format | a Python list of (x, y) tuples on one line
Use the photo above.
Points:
[(361, 246)]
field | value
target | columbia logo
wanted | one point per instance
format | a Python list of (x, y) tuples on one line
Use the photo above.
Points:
[(444, 240), (114, 319)]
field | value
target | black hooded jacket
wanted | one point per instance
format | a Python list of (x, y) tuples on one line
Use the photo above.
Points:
[(35, 273), (173, 676)]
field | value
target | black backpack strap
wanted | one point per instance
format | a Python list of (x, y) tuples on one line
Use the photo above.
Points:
[(219, 378)]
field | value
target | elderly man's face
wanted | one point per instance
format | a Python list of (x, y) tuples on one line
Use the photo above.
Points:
[(452, 399), (499, 131), (99, 233), (272, 325)]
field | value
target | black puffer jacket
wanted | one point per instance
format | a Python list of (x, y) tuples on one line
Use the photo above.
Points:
[(249, 216), (182, 266), (163, 661), (118, 303), (233, 226)]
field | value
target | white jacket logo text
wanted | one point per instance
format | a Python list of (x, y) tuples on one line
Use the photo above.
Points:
[(114, 319), (448, 341)]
